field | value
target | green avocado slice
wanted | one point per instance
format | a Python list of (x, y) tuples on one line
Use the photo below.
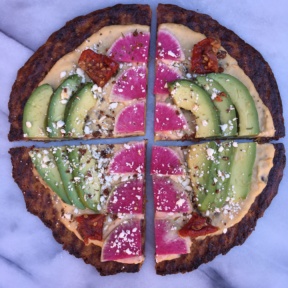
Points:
[(243, 102), (227, 112), (35, 112), (189, 96), (65, 170), (77, 109), (57, 105), (86, 172), (44, 162)]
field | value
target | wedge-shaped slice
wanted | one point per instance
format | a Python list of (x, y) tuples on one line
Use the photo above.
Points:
[(243, 102), (170, 197), (168, 244), (124, 242), (57, 105), (127, 197), (45, 165), (35, 112), (77, 109), (130, 159), (189, 96), (222, 101), (166, 161), (218, 223)]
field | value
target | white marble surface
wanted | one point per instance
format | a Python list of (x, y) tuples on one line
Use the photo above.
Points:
[(30, 257)]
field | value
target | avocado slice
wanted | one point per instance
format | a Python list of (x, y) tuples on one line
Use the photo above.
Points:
[(35, 112), (66, 170), (202, 162), (44, 162), (77, 109), (226, 155), (189, 96), (88, 183), (243, 102), (222, 101), (57, 105), (242, 170)]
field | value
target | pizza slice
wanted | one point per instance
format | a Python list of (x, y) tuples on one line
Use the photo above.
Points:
[(92, 197), (209, 83), (208, 198), (89, 80)]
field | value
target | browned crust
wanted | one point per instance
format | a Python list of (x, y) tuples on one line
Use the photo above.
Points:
[(206, 250), (249, 59), (60, 43), (39, 202)]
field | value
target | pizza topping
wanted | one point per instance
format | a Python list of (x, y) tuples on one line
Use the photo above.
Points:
[(204, 56), (132, 47), (197, 226), (168, 118), (166, 161), (98, 67), (131, 84), (90, 227), (168, 47), (131, 119)]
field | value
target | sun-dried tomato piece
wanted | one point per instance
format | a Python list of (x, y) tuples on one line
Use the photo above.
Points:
[(219, 97), (90, 226), (197, 226), (204, 56), (100, 68)]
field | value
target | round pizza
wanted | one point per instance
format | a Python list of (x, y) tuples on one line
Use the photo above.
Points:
[(89, 80)]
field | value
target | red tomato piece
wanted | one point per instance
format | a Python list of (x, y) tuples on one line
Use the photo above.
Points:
[(90, 226), (197, 226), (100, 68), (204, 56)]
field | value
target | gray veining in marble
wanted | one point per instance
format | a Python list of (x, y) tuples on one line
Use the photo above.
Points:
[(29, 255)]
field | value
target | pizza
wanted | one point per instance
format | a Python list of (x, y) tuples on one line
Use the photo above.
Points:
[(89, 80)]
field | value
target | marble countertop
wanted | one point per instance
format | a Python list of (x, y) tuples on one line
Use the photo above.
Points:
[(29, 255)]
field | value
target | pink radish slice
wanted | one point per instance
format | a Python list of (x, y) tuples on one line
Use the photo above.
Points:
[(168, 118), (168, 47), (127, 198), (131, 119), (130, 85), (129, 160), (170, 196), (132, 47), (164, 75), (165, 161), (123, 242), (167, 239)]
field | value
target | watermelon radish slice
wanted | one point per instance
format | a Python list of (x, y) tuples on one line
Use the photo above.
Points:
[(168, 117), (165, 74), (130, 85), (168, 47), (165, 161), (167, 239), (132, 47), (131, 119), (129, 160), (170, 196), (123, 242), (127, 198)]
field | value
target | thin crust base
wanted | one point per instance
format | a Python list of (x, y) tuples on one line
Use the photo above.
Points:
[(206, 250), (40, 203)]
